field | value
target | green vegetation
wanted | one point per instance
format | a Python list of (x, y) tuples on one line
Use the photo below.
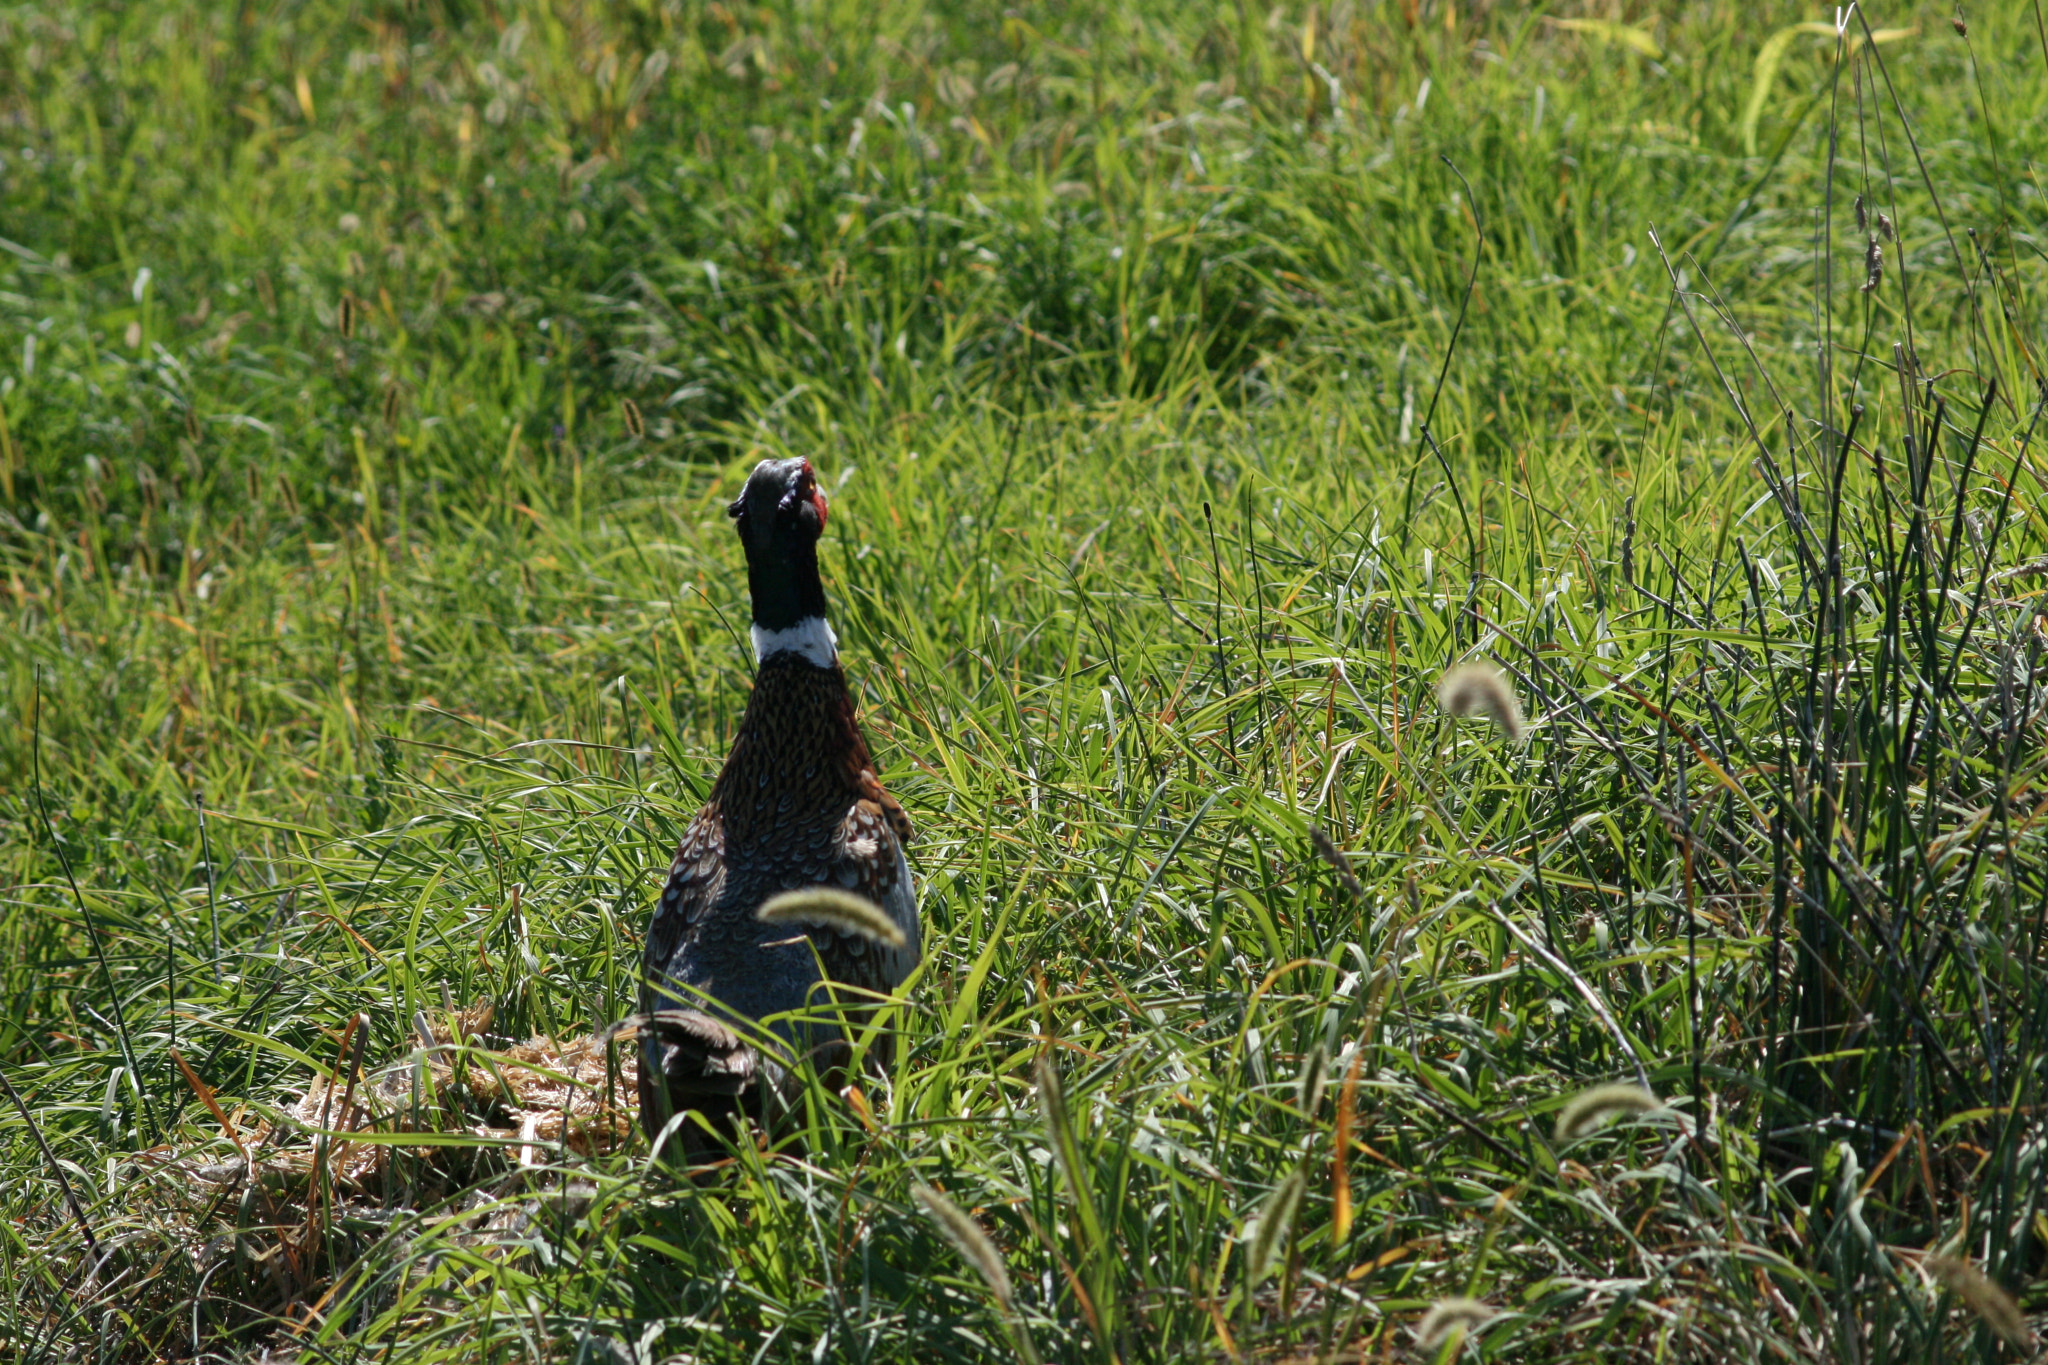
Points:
[(373, 375)]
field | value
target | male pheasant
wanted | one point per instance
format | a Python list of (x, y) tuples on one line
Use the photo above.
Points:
[(796, 805)]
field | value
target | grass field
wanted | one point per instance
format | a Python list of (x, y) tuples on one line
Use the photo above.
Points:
[(1195, 385)]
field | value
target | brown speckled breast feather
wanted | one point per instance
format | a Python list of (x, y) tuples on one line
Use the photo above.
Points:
[(797, 804)]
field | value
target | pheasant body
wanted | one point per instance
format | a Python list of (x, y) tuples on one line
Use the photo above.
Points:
[(797, 804)]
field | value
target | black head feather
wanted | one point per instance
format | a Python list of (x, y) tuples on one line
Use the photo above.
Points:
[(780, 515)]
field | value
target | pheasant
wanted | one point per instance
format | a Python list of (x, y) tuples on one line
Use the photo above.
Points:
[(796, 805)]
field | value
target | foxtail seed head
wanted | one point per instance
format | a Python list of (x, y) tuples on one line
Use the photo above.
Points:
[(832, 908), (1276, 1220), (1984, 1296), (1478, 689), (1446, 1316), (974, 1246), (1326, 848), (1590, 1106)]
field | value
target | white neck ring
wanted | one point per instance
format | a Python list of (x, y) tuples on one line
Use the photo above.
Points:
[(810, 638)]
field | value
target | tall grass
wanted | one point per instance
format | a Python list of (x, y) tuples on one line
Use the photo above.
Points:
[(1196, 388)]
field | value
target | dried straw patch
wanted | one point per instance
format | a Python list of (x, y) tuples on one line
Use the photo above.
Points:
[(541, 1091)]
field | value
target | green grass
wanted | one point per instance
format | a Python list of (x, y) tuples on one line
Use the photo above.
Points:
[(373, 376)]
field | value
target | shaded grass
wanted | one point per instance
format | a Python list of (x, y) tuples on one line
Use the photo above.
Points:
[(369, 650)]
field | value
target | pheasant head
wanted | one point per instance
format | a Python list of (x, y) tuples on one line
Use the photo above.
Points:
[(780, 515)]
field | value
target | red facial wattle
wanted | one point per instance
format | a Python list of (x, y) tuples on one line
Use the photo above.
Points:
[(817, 493)]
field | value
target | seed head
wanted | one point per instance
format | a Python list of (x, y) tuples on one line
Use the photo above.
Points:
[(1327, 849), (1478, 689), (1885, 229), (1446, 1316), (1873, 266), (1590, 1106), (1984, 1296), (833, 909), (1862, 215), (1059, 1126), (974, 1246), (1276, 1217), (1962, 29)]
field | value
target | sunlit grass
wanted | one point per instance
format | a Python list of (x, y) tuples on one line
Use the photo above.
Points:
[(373, 383)]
